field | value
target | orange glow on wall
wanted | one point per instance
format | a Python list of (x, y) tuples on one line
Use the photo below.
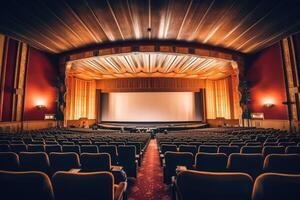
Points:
[(40, 101), (268, 101)]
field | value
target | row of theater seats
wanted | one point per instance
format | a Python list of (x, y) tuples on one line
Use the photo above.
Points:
[(57, 161), (115, 151), (35, 185), (264, 150), (195, 185), (252, 164)]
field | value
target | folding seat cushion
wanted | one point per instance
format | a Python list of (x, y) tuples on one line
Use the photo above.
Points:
[(111, 150), (127, 159), (174, 159), (9, 161), (251, 149), (282, 163), (188, 148), (273, 186), (228, 149), (25, 185), (64, 161), (34, 161), (212, 162), (208, 149), (4, 148), (251, 164), (92, 162), (36, 148), (87, 186), (17, 148), (89, 149), (53, 148), (71, 148), (273, 150), (194, 185), (292, 150)]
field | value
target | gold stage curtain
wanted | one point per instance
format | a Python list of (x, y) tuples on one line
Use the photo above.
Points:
[(218, 99), (80, 99)]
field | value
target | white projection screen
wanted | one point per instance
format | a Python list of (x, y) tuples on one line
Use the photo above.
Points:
[(151, 107)]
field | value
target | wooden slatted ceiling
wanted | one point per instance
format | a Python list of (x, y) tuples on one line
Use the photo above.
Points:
[(63, 25), (150, 65)]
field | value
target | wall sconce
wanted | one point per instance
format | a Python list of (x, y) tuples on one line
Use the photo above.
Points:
[(40, 106), (268, 103), (40, 103)]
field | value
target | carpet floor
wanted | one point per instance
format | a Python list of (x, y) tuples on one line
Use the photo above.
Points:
[(149, 183)]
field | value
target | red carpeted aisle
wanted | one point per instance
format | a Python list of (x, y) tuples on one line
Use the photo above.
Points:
[(149, 183)]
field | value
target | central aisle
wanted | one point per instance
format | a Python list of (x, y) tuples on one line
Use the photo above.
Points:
[(149, 183)]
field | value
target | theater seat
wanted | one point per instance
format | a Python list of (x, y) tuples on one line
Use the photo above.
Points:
[(112, 151), (92, 162), (4, 148), (34, 161), (9, 161), (89, 149), (273, 186), (273, 150), (127, 159), (53, 148), (251, 164), (17, 148), (282, 163), (36, 148), (228, 149), (292, 150), (188, 148), (208, 149), (64, 161), (251, 149), (174, 159), (211, 162), (194, 185), (86, 186), (71, 148), (25, 186)]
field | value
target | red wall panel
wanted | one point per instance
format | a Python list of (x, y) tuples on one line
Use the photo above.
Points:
[(40, 88), (266, 80), (9, 80)]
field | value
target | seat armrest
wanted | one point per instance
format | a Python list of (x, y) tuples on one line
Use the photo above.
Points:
[(137, 156), (120, 190), (161, 155), (163, 162), (74, 170), (180, 169), (116, 168)]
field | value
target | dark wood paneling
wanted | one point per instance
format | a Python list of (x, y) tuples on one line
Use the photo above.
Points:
[(150, 85)]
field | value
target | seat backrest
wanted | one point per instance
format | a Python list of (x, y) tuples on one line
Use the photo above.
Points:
[(174, 159), (111, 150), (273, 150), (53, 148), (228, 149), (282, 163), (64, 161), (212, 162), (89, 149), (292, 150), (273, 186), (251, 164), (208, 149), (9, 161), (188, 148), (126, 154), (36, 148), (71, 148), (168, 147), (4, 148), (34, 161), (137, 145), (17, 148), (251, 149), (194, 185), (25, 185), (92, 162), (87, 186)]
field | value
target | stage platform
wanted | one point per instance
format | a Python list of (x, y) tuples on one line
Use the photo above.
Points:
[(158, 126)]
